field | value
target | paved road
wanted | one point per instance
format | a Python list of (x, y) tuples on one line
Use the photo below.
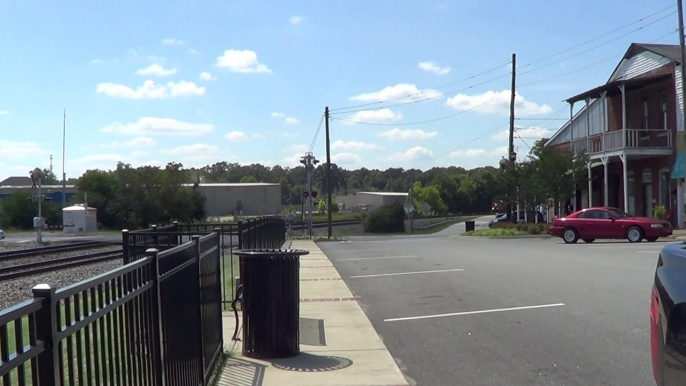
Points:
[(599, 336)]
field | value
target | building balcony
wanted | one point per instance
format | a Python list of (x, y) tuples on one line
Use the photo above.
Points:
[(629, 141)]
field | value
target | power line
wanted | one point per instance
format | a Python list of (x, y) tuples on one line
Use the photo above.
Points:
[(419, 122), (599, 37), (598, 46), (425, 91), (441, 96), (316, 134)]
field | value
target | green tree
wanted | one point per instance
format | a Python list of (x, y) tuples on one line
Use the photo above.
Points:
[(46, 176), (429, 194), (248, 179), (322, 206), (18, 211)]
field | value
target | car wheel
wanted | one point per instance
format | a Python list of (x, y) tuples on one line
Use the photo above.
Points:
[(651, 239), (634, 234), (589, 240), (570, 236)]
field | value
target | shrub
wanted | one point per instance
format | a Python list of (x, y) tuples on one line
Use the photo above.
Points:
[(387, 219), (532, 229), (660, 212)]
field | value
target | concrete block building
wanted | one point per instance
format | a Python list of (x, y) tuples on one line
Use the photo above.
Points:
[(369, 200)]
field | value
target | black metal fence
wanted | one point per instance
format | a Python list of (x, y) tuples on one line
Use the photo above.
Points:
[(253, 233), (156, 320)]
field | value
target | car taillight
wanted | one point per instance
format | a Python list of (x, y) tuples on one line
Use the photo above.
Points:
[(655, 335)]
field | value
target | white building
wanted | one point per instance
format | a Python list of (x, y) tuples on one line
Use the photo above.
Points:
[(78, 218), (369, 200)]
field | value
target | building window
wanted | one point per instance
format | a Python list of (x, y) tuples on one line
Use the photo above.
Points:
[(645, 114), (664, 188), (663, 108)]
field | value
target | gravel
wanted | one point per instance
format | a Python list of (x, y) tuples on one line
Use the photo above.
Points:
[(52, 256), (18, 290)]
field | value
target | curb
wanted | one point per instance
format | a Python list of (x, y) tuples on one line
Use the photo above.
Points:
[(511, 237)]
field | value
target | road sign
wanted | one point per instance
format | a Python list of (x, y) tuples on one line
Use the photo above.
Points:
[(426, 207), (409, 207)]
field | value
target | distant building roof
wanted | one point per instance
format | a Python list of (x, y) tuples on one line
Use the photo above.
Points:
[(28, 186), (77, 207), (16, 181), (231, 185), (384, 193)]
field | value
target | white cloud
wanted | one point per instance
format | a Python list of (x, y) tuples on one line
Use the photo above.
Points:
[(408, 92), (236, 136), (150, 90), (15, 150), (242, 62), (193, 51), (97, 61), (159, 126), (353, 145), (173, 42), (406, 135), (293, 160), (479, 153), (296, 19), (198, 154), (533, 132), (136, 142), (156, 69), (417, 153), (4, 112), (287, 119), (433, 67), (140, 154), (346, 159), (257, 136), (296, 148), (207, 76), (374, 116), (496, 102)]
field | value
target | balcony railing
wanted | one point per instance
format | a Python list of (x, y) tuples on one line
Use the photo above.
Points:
[(613, 140)]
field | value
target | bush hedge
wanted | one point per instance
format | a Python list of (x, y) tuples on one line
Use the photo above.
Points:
[(386, 219), (532, 229)]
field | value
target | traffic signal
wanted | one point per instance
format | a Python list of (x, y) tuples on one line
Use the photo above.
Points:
[(306, 194), (314, 194), (47, 198)]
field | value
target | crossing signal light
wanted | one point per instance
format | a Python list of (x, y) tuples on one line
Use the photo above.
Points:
[(314, 194), (306, 194)]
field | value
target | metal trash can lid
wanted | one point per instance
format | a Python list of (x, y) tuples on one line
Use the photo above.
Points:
[(271, 252)]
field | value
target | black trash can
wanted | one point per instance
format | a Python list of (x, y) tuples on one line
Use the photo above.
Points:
[(271, 302), (468, 226)]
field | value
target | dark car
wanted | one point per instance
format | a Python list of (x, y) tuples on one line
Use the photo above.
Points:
[(668, 317), (608, 223)]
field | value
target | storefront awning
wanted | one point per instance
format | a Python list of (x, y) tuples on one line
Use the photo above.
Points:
[(678, 168)]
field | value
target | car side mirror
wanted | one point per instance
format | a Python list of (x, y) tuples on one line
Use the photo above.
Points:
[(612, 218)]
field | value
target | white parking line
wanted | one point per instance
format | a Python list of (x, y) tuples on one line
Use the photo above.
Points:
[(406, 273), (379, 257), (473, 312)]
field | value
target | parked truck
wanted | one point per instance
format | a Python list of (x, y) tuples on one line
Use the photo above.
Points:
[(668, 317)]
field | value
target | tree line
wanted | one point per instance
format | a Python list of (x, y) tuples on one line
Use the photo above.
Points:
[(129, 197)]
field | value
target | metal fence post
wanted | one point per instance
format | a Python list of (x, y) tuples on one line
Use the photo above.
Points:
[(199, 297), (125, 246), (176, 230), (46, 332), (240, 235), (158, 355), (153, 228)]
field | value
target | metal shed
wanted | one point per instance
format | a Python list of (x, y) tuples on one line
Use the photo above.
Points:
[(78, 218)]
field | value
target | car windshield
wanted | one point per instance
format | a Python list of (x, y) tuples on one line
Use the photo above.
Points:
[(618, 212)]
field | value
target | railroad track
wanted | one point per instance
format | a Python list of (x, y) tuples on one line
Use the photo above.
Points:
[(37, 267), (18, 253)]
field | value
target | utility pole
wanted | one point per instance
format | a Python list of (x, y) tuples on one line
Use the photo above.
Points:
[(328, 173), (38, 221), (309, 161), (64, 147), (412, 201), (512, 155), (679, 5)]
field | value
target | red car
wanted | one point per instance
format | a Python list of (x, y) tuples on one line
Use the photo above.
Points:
[(608, 223)]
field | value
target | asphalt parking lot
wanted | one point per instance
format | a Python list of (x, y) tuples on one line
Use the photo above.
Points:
[(456, 310)]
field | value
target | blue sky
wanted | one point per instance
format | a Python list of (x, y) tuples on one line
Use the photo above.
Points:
[(247, 81)]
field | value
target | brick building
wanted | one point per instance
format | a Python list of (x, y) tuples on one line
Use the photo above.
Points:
[(628, 127)]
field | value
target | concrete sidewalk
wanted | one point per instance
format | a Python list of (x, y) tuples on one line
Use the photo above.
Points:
[(351, 353)]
